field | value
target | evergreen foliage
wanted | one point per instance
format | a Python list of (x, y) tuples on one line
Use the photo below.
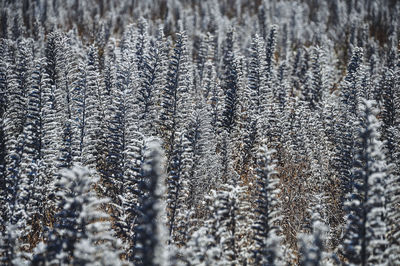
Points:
[(195, 96), (365, 238)]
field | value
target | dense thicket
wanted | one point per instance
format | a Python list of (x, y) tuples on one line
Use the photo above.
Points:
[(200, 132)]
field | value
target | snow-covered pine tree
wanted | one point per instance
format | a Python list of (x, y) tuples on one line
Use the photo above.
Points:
[(226, 207), (125, 146), (53, 130), (151, 241), (90, 145), (175, 104), (150, 90), (3, 152), (122, 97), (230, 85), (392, 203), (10, 244), (346, 121), (209, 78), (14, 118), (178, 191), (174, 97), (387, 89), (316, 82), (393, 184), (16, 187), (141, 46), (204, 169), (268, 124), (349, 92), (313, 245), (203, 246), (198, 172), (267, 246), (62, 97), (50, 150), (365, 241), (251, 105), (31, 155), (214, 96), (130, 191), (202, 56), (77, 77), (81, 233)]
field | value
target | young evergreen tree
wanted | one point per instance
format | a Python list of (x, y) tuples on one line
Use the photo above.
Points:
[(3, 152), (393, 184), (175, 106), (150, 242), (125, 148), (31, 157), (365, 238), (130, 192), (178, 192), (266, 229), (252, 105), (81, 234), (174, 97), (16, 188), (90, 145), (346, 122), (313, 245), (230, 85), (393, 213), (316, 79), (149, 92), (268, 104)]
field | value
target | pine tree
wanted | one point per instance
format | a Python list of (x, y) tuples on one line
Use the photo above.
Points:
[(3, 103), (50, 147), (313, 245), (268, 101), (230, 85), (17, 187), (125, 148), (62, 98), (81, 234), (203, 246), (365, 238), (178, 191), (3, 152), (349, 92), (387, 90), (226, 229), (90, 142), (346, 135), (141, 46), (215, 98), (149, 92), (131, 192), (393, 152), (121, 114), (393, 213), (175, 94), (198, 172), (267, 228), (10, 243), (226, 215), (251, 104), (54, 109), (175, 106), (316, 88), (150, 238), (31, 156)]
